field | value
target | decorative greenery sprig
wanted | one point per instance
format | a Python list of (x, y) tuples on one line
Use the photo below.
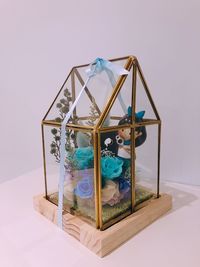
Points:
[(55, 145), (93, 114), (63, 106)]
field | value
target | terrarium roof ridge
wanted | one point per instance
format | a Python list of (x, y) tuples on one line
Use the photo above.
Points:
[(112, 60)]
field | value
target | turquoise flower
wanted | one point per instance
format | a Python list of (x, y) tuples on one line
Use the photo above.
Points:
[(111, 167), (84, 157), (84, 188)]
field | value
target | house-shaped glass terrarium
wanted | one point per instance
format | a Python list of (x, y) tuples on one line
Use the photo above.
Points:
[(112, 145)]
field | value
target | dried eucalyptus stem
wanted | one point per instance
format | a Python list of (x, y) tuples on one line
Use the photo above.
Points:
[(63, 106)]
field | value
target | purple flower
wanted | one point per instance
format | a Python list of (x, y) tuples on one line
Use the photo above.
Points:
[(84, 188), (124, 185)]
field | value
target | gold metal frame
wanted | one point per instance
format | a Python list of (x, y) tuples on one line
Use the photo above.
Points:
[(133, 65)]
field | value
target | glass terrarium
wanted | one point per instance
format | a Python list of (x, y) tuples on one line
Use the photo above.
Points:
[(112, 145)]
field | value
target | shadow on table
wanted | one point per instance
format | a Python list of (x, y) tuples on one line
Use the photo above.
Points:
[(180, 198)]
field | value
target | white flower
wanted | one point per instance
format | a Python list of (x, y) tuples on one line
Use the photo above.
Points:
[(110, 193)]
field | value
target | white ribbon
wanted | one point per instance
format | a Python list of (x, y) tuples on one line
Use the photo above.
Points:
[(95, 68)]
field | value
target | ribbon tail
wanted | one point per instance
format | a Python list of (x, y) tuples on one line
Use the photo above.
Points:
[(63, 154), (62, 176)]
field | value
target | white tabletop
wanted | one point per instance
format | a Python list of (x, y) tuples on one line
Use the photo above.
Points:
[(28, 239)]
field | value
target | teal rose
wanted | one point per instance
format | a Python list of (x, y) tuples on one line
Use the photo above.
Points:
[(84, 158), (111, 167)]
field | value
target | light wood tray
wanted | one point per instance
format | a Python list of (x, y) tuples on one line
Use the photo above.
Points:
[(104, 242)]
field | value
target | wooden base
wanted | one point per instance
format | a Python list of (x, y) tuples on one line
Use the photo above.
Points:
[(104, 242)]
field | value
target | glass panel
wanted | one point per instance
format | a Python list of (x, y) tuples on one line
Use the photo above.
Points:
[(115, 174), (122, 102), (93, 100), (146, 163), (52, 157), (62, 103), (142, 100), (79, 178)]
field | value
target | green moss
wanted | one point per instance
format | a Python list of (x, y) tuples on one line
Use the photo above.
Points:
[(109, 212)]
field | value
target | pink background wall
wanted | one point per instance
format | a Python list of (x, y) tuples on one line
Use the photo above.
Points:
[(41, 40)]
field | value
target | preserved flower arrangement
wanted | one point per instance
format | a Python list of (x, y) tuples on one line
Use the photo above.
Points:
[(115, 171), (100, 152)]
